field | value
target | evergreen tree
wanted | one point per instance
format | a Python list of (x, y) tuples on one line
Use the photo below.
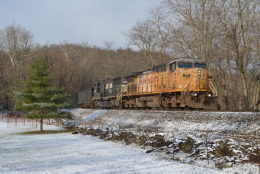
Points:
[(39, 100)]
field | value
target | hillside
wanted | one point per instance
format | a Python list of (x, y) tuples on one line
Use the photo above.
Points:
[(214, 139)]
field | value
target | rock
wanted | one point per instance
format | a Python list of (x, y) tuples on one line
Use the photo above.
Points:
[(81, 130), (245, 158), (254, 157), (230, 159), (149, 151), (176, 159), (195, 153), (190, 161), (229, 164), (188, 145), (176, 150)]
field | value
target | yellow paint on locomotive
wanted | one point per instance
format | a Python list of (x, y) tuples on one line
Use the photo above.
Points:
[(181, 79)]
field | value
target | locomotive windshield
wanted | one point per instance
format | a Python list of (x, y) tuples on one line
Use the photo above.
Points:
[(173, 66), (200, 65), (185, 64)]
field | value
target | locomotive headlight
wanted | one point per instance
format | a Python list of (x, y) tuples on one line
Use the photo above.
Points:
[(194, 94)]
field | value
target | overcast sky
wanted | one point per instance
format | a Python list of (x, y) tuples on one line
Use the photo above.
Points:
[(77, 21)]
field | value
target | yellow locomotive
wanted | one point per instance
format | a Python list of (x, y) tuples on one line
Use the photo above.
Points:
[(182, 83)]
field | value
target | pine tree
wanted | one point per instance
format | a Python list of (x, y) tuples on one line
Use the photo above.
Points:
[(39, 100)]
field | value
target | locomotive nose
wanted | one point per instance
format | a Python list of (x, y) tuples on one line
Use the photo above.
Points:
[(201, 79)]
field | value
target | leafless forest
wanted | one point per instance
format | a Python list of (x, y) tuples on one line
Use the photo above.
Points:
[(224, 33)]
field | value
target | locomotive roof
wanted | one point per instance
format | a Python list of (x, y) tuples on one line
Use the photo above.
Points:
[(118, 77), (148, 71), (134, 74), (193, 60)]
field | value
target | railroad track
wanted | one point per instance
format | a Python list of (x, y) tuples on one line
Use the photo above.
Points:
[(172, 109)]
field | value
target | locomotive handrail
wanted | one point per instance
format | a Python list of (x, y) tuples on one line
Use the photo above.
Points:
[(189, 83), (214, 91)]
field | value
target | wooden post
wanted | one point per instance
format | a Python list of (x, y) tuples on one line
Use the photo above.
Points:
[(258, 152), (7, 120), (206, 143), (41, 124)]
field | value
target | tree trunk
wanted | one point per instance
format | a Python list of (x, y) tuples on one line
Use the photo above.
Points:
[(245, 93), (41, 124)]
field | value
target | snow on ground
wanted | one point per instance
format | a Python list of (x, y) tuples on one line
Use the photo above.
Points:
[(66, 153), (80, 113), (240, 128), (179, 123), (93, 115)]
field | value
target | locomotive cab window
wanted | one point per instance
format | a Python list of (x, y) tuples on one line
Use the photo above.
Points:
[(173, 66), (163, 68), (159, 68), (200, 65), (185, 65)]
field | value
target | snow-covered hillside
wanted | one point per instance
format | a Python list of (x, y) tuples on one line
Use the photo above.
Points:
[(212, 139), (177, 123)]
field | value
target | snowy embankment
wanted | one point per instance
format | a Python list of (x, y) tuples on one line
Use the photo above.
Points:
[(176, 123), (213, 139), (68, 154)]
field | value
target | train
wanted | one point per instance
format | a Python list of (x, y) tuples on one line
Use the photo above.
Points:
[(183, 83)]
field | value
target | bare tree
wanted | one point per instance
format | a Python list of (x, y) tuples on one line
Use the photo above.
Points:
[(237, 21), (153, 37), (195, 29), (224, 33), (16, 42), (15, 48), (143, 36)]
